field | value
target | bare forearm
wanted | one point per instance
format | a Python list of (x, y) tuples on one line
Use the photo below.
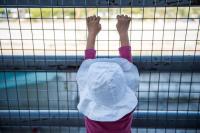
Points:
[(94, 27), (124, 39), (91, 41)]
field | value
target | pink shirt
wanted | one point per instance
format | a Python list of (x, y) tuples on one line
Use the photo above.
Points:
[(124, 51), (122, 125)]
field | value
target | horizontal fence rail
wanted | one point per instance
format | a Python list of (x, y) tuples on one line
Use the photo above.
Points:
[(150, 119), (98, 3), (72, 63)]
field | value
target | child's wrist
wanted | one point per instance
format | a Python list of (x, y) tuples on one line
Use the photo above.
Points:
[(123, 34), (90, 41), (92, 34), (124, 39)]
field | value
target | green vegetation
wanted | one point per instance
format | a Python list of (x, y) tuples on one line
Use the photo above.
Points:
[(2, 10), (159, 12), (46, 12)]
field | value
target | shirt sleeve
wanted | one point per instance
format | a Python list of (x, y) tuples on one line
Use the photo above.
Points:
[(125, 52), (90, 54)]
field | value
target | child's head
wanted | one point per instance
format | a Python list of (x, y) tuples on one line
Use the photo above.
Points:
[(105, 94), (106, 83)]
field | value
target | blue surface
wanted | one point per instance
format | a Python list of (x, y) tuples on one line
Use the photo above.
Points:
[(13, 79)]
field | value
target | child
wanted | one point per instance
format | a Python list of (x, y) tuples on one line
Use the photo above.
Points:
[(107, 86)]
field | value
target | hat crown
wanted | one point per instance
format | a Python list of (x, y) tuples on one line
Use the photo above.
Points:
[(106, 83)]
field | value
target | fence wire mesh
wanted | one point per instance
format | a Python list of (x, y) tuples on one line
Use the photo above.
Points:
[(50, 35)]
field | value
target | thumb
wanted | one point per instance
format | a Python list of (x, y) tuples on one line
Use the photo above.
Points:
[(117, 25), (99, 26)]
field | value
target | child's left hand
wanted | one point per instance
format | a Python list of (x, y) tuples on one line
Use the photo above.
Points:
[(123, 24)]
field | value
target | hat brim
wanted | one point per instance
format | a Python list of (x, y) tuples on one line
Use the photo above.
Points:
[(98, 112), (130, 71)]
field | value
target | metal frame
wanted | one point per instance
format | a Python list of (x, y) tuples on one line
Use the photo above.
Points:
[(151, 119)]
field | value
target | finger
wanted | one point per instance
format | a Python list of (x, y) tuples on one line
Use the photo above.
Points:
[(93, 18), (99, 26), (124, 17), (98, 19), (127, 18), (89, 19), (120, 17)]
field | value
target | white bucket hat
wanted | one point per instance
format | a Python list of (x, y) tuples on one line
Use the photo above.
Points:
[(107, 88)]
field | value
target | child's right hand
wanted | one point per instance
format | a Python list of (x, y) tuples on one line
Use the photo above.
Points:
[(93, 25), (123, 24)]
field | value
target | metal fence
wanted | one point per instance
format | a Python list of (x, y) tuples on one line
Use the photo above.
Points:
[(42, 44)]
